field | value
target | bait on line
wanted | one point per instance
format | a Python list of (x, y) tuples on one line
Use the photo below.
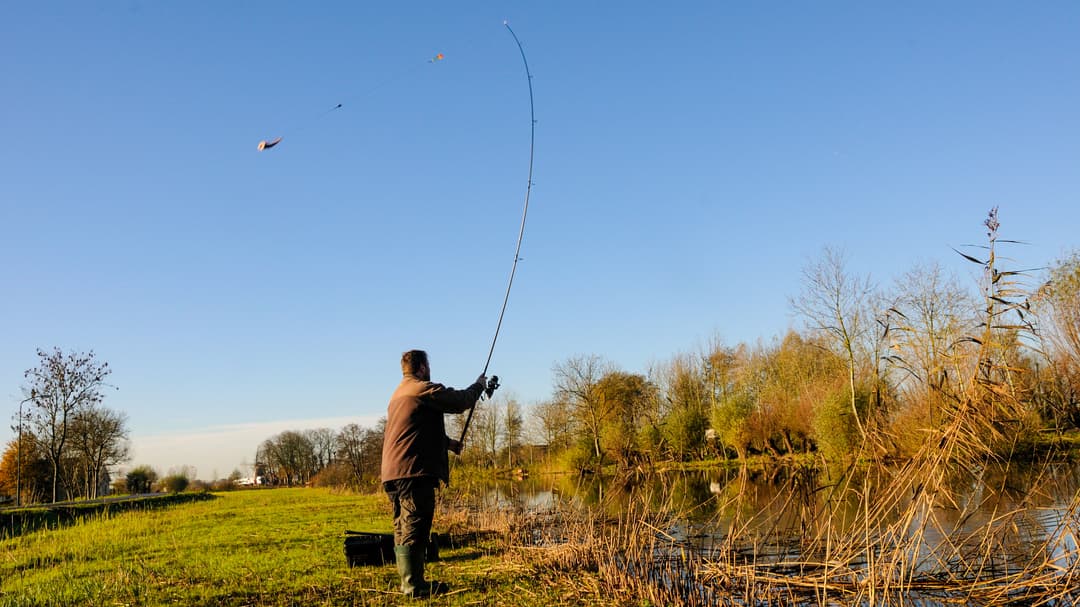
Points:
[(266, 144)]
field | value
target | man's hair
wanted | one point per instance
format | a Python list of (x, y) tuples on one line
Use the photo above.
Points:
[(412, 360)]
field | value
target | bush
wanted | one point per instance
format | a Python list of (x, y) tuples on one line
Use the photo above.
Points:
[(174, 483), (223, 484), (336, 475), (835, 431), (651, 441), (579, 457), (140, 480), (731, 419), (685, 433)]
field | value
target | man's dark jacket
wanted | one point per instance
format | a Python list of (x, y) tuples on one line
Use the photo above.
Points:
[(415, 442)]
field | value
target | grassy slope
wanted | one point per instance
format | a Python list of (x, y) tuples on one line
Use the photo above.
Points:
[(269, 547)]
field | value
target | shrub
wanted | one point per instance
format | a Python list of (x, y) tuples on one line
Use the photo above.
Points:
[(336, 475), (685, 432), (835, 431), (579, 457), (223, 484), (731, 419), (174, 483), (141, 479)]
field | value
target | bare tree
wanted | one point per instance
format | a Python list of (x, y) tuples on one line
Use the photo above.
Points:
[(575, 383), (323, 441), (350, 449), (1058, 301), (834, 303), (59, 387), (930, 314), (486, 425), (361, 450), (551, 423), (99, 439), (512, 424), (287, 458)]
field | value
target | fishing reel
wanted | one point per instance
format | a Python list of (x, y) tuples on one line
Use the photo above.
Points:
[(492, 385)]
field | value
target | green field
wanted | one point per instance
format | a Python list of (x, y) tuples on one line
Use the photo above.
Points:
[(263, 547)]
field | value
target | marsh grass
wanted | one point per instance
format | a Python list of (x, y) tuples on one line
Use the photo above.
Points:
[(819, 548)]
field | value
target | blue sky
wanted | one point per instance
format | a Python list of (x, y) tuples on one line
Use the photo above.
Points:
[(690, 159)]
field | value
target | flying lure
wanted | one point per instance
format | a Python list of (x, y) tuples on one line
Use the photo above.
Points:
[(266, 145)]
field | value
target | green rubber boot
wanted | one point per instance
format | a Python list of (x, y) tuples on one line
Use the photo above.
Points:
[(403, 556), (410, 565)]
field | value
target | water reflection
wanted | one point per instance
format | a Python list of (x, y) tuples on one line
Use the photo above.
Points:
[(785, 509), (922, 537)]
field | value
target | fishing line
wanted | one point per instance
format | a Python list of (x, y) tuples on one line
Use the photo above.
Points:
[(269, 143), (521, 230)]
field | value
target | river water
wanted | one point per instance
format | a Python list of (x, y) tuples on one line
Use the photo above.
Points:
[(1002, 516)]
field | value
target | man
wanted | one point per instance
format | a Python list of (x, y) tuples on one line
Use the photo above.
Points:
[(414, 461)]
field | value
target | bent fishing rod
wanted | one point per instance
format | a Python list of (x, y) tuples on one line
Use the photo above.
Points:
[(493, 383)]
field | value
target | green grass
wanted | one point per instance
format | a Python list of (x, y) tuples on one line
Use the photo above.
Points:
[(16, 521), (265, 547)]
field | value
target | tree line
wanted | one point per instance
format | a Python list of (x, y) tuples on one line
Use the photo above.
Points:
[(349, 457), (873, 370)]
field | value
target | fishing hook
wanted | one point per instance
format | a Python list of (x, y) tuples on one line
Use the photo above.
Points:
[(521, 230)]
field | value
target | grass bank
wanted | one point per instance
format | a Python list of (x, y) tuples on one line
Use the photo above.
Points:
[(15, 521), (265, 547)]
